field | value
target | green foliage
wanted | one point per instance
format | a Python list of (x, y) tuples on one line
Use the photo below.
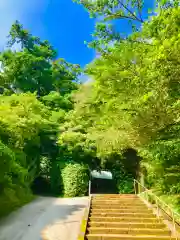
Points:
[(35, 97), (13, 189), (35, 67), (163, 174), (48, 120), (173, 201), (26, 133), (131, 9), (130, 12), (56, 102), (124, 181), (133, 99), (125, 185), (124, 172), (75, 180)]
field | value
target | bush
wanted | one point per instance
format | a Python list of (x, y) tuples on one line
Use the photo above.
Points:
[(13, 198), (27, 145), (124, 181), (13, 190), (75, 180), (125, 185), (161, 161)]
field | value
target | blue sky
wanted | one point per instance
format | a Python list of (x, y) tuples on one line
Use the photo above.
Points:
[(64, 23)]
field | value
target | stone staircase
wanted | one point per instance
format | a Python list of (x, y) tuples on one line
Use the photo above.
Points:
[(119, 217)]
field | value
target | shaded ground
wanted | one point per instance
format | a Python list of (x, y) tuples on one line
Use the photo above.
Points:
[(28, 222), (103, 186)]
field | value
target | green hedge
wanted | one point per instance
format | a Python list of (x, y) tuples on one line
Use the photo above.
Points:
[(75, 180)]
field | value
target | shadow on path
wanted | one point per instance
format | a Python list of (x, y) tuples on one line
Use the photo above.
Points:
[(28, 222)]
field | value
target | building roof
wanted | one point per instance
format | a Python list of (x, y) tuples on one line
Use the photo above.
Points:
[(101, 174)]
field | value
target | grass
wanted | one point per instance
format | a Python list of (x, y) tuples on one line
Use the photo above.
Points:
[(174, 203)]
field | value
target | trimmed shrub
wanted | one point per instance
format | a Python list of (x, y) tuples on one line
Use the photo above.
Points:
[(75, 180)]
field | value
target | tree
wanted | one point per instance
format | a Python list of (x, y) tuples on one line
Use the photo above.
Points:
[(130, 12), (36, 95), (134, 98), (121, 9), (27, 135), (35, 67)]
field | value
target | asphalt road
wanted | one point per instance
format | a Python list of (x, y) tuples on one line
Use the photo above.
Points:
[(59, 216)]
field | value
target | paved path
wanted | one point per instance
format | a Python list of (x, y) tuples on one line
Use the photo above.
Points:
[(60, 216)]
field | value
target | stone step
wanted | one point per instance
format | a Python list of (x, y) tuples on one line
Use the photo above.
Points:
[(121, 217), (124, 218), (131, 231), (120, 210), (118, 214), (125, 203), (117, 200), (127, 225), (119, 206), (128, 237), (115, 196), (131, 200)]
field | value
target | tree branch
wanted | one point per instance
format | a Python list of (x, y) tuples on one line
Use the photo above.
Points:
[(139, 11), (128, 17), (128, 10)]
